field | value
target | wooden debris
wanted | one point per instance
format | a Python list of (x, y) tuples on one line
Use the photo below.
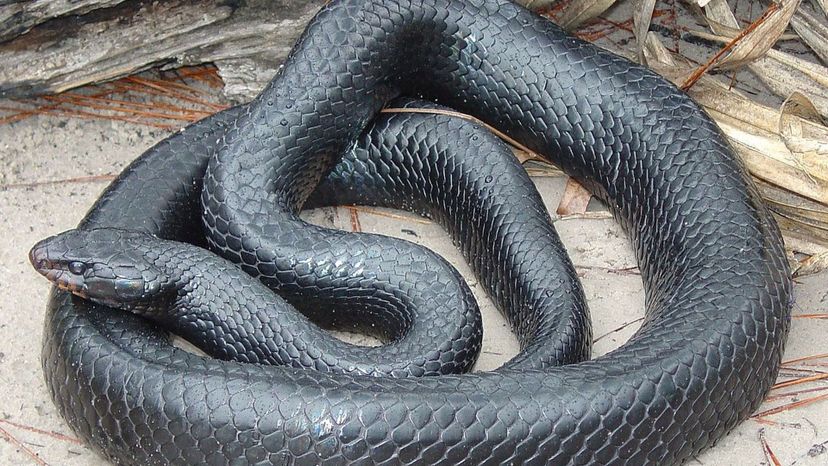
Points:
[(19, 16), (824, 5), (790, 406), (6, 435), (735, 52), (246, 40), (783, 73), (536, 4)]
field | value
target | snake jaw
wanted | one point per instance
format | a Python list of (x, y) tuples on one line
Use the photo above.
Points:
[(59, 275)]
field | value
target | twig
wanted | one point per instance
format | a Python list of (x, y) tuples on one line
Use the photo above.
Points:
[(80, 179), (618, 271), (78, 100), (597, 215), (622, 327), (779, 396), (54, 435), (790, 406), (801, 380), (161, 86), (772, 8), (355, 225), (766, 449), (466, 117), (407, 218), (806, 358), (13, 440)]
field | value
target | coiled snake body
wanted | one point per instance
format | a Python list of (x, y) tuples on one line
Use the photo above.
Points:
[(716, 280)]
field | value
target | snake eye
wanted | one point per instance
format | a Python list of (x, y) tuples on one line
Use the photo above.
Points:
[(77, 268)]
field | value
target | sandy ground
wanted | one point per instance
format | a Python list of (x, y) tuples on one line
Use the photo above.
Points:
[(48, 181)]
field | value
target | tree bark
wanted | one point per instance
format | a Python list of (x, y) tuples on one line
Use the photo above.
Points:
[(246, 40)]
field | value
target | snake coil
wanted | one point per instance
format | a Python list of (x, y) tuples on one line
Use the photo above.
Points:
[(715, 276)]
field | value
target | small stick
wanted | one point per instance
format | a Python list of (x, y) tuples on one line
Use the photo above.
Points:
[(11, 439), (467, 117), (703, 69), (796, 393), (55, 435), (790, 406), (766, 449), (355, 225), (380, 213), (622, 327), (800, 380), (80, 179)]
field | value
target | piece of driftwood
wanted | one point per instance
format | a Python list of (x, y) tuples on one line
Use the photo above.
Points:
[(246, 40), (18, 16)]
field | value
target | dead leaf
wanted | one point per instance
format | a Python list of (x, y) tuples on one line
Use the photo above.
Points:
[(729, 47), (805, 222), (824, 5), (575, 199), (524, 156), (757, 41), (814, 264), (799, 105), (577, 13), (813, 30), (673, 67), (785, 74), (642, 16), (794, 112), (718, 14), (536, 4)]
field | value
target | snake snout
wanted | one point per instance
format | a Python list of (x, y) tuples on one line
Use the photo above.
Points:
[(42, 260), (37, 257), (65, 275)]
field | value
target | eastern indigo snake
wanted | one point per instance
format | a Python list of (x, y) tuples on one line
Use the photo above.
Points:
[(716, 281)]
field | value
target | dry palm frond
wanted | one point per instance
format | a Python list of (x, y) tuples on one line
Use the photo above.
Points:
[(758, 39), (642, 16), (785, 149), (576, 13), (813, 30)]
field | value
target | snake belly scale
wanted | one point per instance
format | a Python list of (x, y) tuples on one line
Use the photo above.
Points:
[(717, 284)]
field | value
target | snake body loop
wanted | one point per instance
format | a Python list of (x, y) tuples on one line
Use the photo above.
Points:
[(716, 280)]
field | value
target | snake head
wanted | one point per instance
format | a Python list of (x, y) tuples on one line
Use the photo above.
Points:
[(106, 265)]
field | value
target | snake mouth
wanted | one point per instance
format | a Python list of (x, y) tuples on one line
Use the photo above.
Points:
[(64, 280), (56, 273)]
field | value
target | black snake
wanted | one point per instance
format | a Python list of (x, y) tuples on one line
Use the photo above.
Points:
[(716, 279)]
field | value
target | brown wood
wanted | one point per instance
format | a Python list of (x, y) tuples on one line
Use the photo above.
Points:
[(246, 40), (18, 16)]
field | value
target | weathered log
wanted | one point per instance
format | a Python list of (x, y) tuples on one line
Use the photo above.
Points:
[(247, 41), (18, 16)]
